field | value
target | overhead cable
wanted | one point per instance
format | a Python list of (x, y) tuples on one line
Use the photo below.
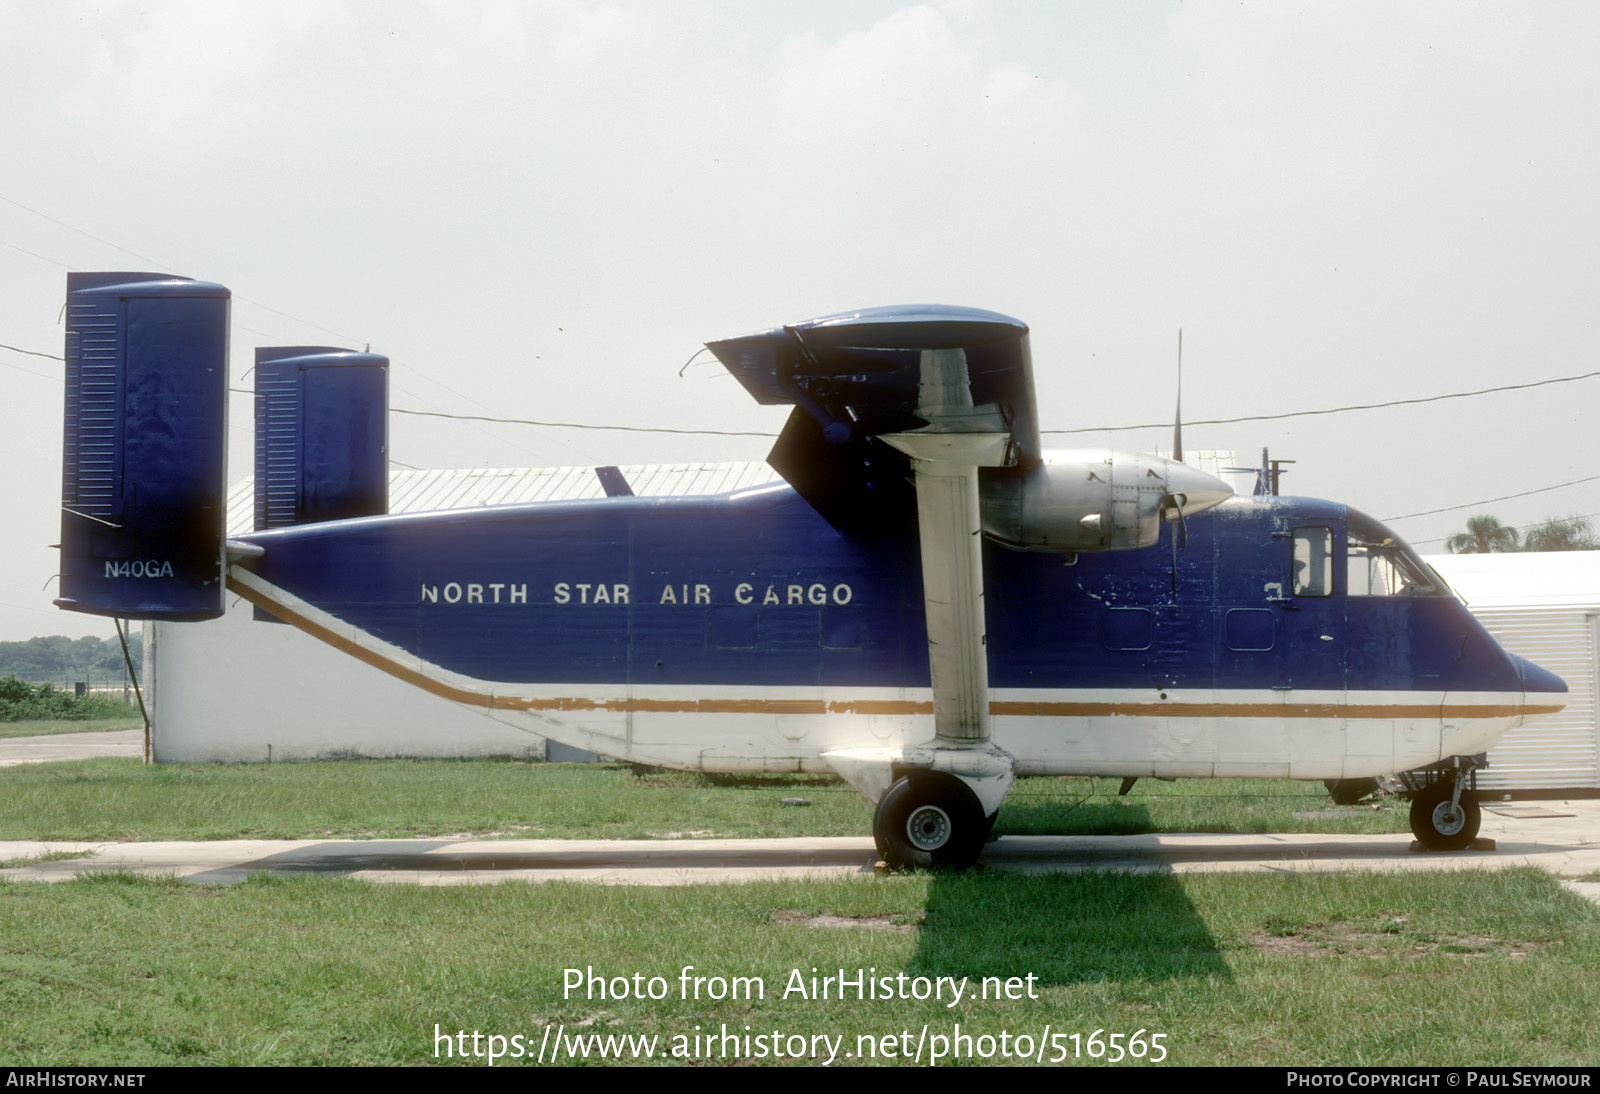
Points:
[(1490, 501), (1095, 429), (159, 265), (91, 235), (1336, 409), (582, 425), (31, 372), (32, 352), (713, 432)]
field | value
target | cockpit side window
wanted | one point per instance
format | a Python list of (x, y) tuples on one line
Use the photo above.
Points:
[(1313, 561), (1381, 565)]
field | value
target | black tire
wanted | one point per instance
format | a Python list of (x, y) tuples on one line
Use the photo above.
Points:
[(1435, 827), (929, 820)]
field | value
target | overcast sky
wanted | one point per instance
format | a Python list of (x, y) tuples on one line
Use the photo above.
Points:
[(542, 209)]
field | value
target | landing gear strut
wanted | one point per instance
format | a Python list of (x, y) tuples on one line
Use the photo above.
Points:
[(929, 820)]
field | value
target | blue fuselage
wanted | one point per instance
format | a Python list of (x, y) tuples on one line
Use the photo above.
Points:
[(757, 590)]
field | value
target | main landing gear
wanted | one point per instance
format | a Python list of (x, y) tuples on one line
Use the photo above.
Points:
[(929, 819), (1444, 804)]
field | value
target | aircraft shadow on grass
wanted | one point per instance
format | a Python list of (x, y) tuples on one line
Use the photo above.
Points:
[(1066, 927)]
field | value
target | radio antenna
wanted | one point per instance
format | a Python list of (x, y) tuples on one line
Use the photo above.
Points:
[(1177, 419)]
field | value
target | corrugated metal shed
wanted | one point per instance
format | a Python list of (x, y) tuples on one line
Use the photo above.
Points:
[(1524, 578), (1543, 606), (425, 491), (415, 491)]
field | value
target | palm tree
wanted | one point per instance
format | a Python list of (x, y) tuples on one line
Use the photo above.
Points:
[(1561, 534), (1484, 534)]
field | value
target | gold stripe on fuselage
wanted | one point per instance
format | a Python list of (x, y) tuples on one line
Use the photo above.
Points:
[(896, 707)]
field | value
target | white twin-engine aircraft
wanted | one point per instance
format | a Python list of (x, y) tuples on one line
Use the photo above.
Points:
[(931, 607)]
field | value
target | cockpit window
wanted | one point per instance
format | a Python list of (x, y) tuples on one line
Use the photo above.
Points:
[(1381, 565), (1313, 562)]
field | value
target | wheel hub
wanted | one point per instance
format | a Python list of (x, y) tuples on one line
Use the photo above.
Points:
[(928, 828), (1447, 821)]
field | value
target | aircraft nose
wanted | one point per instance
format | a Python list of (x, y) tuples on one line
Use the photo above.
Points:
[(1200, 490), (1536, 679)]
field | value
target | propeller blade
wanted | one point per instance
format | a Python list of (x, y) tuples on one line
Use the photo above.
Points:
[(1174, 562), (1176, 502)]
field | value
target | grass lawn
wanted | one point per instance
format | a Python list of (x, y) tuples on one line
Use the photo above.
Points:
[(1415, 969), (51, 726), (1405, 969), (122, 799)]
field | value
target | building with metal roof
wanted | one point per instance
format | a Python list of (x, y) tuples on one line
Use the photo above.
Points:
[(418, 491), (240, 690), (1545, 606)]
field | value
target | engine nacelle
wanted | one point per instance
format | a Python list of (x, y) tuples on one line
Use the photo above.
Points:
[(1093, 500)]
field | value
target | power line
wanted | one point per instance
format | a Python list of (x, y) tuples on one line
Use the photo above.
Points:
[(81, 232), (582, 425), (33, 254), (1097, 429), (303, 322), (751, 433), (31, 372), (32, 352), (245, 299), (1122, 428), (159, 265), (557, 425), (1490, 501), (722, 433), (1336, 409)]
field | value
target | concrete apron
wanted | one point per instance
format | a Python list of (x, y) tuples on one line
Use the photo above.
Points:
[(1562, 837)]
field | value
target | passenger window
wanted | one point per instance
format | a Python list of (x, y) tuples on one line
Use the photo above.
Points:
[(1313, 562)]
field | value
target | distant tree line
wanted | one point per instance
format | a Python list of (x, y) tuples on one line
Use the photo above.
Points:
[(1486, 535), (21, 701), (59, 658)]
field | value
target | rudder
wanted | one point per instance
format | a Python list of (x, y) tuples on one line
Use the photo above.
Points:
[(145, 447)]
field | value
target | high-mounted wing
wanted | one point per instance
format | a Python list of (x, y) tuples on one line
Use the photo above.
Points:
[(858, 376), (939, 392), (924, 396)]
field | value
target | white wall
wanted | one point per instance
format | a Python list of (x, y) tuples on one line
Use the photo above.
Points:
[(230, 690), (238, 690)]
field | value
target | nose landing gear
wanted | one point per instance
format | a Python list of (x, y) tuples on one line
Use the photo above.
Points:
[(1444, 803)]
